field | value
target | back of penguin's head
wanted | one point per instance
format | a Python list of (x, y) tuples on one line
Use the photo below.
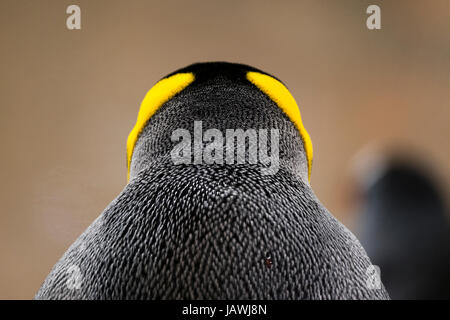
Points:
[(406, 186), (221, 96)]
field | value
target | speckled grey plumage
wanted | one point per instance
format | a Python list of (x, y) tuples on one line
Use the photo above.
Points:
[(206, 231)]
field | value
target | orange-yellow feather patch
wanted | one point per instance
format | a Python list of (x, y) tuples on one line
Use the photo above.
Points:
[(279, 94), (159, 94)]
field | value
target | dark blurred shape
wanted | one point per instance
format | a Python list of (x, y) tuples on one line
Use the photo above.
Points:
[(404, 228)]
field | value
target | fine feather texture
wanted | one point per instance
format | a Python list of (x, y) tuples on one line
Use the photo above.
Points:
[(217, 231)]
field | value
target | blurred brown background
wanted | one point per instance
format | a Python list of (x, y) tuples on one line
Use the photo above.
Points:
[(69, 98)]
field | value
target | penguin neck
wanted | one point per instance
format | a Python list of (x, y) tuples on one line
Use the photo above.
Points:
[(203, 145), (221, 124)]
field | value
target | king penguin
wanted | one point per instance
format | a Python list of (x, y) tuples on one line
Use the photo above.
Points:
[(404, 226), (220, 230)]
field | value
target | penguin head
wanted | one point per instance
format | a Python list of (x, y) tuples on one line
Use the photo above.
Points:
[(404, 188), (219, 96)]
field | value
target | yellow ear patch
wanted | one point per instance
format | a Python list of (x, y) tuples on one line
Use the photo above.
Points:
[(279, 94), (159, 94)]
